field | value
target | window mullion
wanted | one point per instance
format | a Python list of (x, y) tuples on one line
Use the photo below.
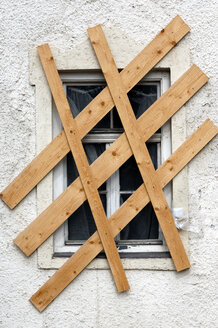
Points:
[(113, 193), (165, 148)]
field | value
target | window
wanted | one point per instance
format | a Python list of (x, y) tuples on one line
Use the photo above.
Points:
[(174, 64), (142, 235)]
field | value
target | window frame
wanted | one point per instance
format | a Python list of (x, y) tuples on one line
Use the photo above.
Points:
[(177, 61), (140, 249)]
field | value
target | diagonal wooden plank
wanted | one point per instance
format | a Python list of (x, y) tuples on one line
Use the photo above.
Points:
[(119, 152), (85, 173), (92, 247), (94, 112), (139, 148)]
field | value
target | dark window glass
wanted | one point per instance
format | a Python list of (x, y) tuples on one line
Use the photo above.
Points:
[(81, 224), (143, 226), (80, 96)]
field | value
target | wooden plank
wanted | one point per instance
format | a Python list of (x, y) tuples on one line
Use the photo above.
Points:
[(85, 173), (139, 148), (119, 152), (92, 247), (94, 112), (35, 171)]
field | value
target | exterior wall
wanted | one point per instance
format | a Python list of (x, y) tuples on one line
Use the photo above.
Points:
[(156, 298)]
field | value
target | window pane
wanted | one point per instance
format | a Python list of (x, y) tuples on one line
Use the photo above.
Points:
[(81, 224), (143, 226), (130, 177), (93, 151), (141, 98), (80, 96)]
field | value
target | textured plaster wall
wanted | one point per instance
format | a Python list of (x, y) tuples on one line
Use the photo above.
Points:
[(156, 298)]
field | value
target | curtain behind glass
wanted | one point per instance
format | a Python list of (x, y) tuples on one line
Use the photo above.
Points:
[(81, 224), (145, 224)]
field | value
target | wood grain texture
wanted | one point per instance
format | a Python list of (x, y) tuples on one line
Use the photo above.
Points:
[(94, 112), (92, 247), (119, 152), (139, 148), (85, 173)]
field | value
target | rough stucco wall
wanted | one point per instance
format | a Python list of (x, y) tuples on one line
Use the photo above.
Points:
[(156, 299)]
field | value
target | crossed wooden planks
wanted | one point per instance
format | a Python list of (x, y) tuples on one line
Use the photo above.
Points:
[(132, 206), (94, 112), (85, 173), (139, 148), (119, 152), (178, 94)]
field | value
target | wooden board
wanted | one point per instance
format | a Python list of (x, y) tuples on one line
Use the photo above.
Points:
[(119, 152), (92, 247), (85, 173), (139, 148), (94, 112)]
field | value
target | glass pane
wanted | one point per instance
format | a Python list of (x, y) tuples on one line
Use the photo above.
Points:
[(141, 98), (130, 177), (93, 151), (80, 96), (81, 224), (143, 226)]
